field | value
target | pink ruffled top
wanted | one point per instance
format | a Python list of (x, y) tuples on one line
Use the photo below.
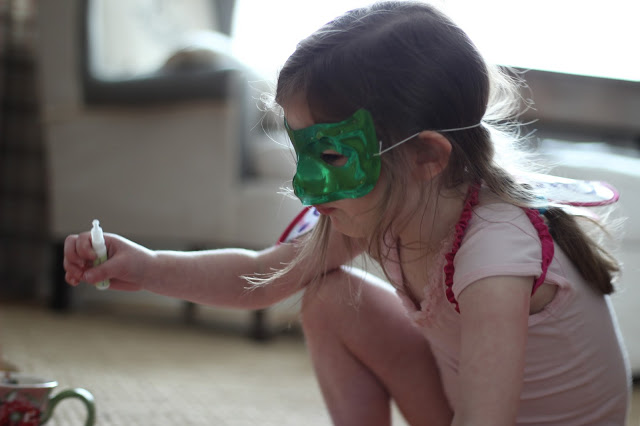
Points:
[(432, 297), (575, 371)]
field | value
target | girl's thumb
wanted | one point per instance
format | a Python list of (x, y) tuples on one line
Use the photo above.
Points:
[(98, 273)]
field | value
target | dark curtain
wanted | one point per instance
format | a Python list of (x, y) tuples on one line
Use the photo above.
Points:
[(23, 201)]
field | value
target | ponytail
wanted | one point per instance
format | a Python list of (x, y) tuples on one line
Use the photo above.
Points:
[(595, 264)]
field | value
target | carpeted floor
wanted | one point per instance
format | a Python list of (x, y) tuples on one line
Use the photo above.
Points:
[(148, 367)]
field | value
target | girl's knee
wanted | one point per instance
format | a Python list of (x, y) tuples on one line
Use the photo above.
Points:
[(323, 295), (342, 296), (331, 299)]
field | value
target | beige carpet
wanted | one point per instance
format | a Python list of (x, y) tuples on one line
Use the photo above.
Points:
[(147, 367)]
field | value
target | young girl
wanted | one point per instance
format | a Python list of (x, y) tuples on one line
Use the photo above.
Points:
[(502, 316)]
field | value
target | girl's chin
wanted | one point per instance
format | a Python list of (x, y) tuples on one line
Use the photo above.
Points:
[(348, 229), (325, 210)]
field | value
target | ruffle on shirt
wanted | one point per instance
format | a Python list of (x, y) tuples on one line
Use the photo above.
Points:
[(461, 227), (534, 216), (546, 240), (426, 314)]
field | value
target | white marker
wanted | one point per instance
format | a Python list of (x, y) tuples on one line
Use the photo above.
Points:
[(97, 242)]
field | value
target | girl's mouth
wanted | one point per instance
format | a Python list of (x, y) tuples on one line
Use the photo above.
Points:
[(325, 210)]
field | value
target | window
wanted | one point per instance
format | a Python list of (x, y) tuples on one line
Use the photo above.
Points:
[(133, 37), (569, 36)]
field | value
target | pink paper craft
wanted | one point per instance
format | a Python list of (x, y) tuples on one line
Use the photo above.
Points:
[(572, 192), (303, 223)]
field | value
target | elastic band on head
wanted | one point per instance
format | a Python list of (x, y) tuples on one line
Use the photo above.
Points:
[(382, 151)]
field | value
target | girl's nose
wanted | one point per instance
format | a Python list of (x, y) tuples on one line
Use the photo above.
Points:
[(311, 177)]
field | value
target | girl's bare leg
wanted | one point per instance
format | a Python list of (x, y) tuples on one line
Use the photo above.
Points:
[(365, 351)]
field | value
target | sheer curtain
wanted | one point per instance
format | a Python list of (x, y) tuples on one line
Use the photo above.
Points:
[(23, 204)]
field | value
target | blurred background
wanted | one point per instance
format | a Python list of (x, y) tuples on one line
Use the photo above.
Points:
[(152, 116)]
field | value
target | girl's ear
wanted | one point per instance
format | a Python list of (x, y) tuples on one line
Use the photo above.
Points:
[(431, 156)]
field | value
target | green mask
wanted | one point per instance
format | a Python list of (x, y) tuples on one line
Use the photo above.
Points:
[(318, 178)]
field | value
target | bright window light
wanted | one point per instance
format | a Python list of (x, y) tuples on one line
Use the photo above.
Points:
[(568, 36)]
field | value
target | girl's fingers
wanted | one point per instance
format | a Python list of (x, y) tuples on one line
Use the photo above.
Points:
[(70, 254), (78, 257), (72, 279), (74, 271), (99, 273), (84, 248), (71, 268), (78, 250)]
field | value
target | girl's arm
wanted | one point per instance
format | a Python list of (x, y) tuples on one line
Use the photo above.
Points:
[(212, 277), (495, 314)]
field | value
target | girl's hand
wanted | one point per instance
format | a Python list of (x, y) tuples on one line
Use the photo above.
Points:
[(126, 267)]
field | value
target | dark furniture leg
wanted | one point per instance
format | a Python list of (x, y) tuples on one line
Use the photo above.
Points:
[(259, 327), (189, 312), (60, 291)]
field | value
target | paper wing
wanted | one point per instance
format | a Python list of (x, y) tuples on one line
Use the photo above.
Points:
[(572, 192), (303, 223)]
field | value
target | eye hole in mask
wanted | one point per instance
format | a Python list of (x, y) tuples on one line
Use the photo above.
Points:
[(334, 158)]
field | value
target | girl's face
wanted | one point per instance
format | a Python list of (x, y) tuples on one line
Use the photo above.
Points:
[(355, 217)]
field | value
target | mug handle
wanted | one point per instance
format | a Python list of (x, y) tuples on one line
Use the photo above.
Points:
[(82, 394)]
